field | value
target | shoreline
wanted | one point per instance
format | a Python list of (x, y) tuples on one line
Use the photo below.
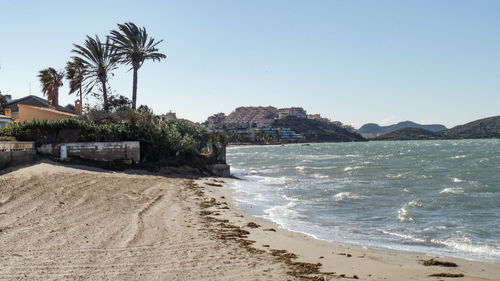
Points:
[(344, 259), (76, 222)]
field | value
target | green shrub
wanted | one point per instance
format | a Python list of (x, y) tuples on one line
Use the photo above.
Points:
[(167, 142), (2, 138)]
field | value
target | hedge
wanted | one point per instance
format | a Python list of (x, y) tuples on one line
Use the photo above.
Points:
[(170, 141)]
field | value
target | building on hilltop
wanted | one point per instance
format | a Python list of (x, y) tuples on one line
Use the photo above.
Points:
[(297, 112), (255, 116), (167, 116), (247, 122), (215, 121), (317, 117)]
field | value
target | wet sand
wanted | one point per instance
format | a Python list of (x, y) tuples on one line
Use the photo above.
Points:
[(342, 260)]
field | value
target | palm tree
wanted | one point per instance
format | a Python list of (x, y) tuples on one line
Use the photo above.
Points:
[(133, 46), (98, 61), (51, 80), (75, 73)]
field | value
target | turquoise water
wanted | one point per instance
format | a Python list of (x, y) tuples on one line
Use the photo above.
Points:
[(437, 197)]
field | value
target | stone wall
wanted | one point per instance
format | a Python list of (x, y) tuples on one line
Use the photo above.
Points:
[(215, 161), (128, 151), (16, 152)]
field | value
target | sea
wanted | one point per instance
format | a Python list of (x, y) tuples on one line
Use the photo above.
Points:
[(436, 197)]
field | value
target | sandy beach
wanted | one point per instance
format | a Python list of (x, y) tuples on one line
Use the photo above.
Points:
[(77, 223)]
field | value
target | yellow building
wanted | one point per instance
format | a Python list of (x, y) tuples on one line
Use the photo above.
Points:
[(35, 108), (29, 113)]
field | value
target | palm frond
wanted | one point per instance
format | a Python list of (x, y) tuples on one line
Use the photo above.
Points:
[(133, 45), (51, 81), (97, 58)]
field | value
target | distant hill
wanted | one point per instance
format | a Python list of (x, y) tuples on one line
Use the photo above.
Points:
[(317, 131), (409, 134), (483, 128), (372, 130)]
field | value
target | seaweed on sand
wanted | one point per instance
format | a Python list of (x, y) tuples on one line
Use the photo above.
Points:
[(229, 232), (433, 262), (449, 275), (214, 184), (252, 225)]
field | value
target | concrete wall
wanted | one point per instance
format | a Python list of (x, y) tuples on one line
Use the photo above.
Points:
[(128, 151), (15, 153)]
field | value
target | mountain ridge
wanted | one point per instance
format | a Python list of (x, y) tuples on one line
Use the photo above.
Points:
[(317, 131), (371, 130), (488, 127)]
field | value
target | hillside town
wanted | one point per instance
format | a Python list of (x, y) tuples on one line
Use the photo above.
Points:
[(257, 124)]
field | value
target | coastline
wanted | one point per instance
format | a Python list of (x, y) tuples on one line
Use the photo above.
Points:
[(349, 261), (79, 223)]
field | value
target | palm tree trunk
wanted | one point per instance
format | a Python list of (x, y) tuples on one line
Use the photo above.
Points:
[(134, 88), (81, 101), (104, 94), (56, 98)]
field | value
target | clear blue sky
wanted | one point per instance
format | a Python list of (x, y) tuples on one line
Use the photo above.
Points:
[(352, 61)]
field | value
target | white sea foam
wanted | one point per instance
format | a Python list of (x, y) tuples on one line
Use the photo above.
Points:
[(236, 170), (259, 197), (269, 180), (289, 198), (404, 216), (453, 190), (415, 203), (323, 157), (398, 176), (341, 196), (319, 176), (348, 168), (405, 236), (323, 168), (278, 213), (466, 245), (301, 168)]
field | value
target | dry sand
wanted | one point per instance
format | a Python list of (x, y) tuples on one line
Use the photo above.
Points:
[(61, 223), (70, 223)]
